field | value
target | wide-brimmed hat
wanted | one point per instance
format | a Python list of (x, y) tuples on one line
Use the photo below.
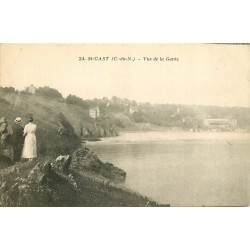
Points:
[(18, 120)]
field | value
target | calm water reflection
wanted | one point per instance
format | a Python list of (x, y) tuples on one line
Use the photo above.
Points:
[(183, 169)]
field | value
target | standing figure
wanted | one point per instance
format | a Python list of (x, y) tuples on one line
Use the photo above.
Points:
[(4, 133), (17, 139), (6, 151), (29, 148)]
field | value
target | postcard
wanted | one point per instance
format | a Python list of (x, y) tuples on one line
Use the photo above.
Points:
[(124, 125)]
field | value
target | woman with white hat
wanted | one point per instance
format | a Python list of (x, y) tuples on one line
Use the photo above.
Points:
[(17, 139), (29, 132)]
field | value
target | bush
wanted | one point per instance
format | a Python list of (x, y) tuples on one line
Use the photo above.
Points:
[(7, 90), (50, 92), (3, 101), (139, 117), (72, 99)]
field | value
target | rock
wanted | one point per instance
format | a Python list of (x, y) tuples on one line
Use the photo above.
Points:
[(85, 159), (40, 186), (47, 168), (42, 180), (63, 163)]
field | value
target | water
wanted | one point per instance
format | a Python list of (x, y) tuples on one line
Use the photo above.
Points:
[(183, 168)]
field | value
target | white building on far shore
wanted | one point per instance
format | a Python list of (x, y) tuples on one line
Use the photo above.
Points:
[(220, 123), (94, 112), (133, 109), (31, 89)]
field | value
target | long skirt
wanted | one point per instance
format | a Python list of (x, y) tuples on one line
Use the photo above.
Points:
[(17, 151), (29, 148)]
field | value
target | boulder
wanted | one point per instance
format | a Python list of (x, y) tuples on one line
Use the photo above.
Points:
[(85, 159), (63, 163)]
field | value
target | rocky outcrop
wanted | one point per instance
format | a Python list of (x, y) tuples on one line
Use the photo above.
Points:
[(77, 180), (85, 159), (53, 183), (98, 131), (43, 185)]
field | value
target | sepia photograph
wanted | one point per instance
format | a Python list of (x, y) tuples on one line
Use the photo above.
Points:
[(124, 125)]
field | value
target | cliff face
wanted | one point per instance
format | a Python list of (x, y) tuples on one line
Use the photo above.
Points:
[(86, 181), (96, 131)]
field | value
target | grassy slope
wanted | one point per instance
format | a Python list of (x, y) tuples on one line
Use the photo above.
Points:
[(46, 115), (44, 109)]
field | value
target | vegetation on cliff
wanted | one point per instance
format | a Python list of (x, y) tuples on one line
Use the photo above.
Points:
[(115, 114), (86, 182)]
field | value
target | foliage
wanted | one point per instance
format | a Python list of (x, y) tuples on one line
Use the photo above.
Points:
[(139, 117), (40, 186), (49, 92), (72, 99), (3, 101), (7, 90)]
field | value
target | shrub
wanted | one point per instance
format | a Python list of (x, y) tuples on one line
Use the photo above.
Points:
[(49, 92), (7, 90), (72, 99)]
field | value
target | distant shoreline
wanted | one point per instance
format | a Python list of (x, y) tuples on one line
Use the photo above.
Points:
[(171, 135)]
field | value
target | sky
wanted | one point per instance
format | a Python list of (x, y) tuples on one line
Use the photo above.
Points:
[(204, 74)]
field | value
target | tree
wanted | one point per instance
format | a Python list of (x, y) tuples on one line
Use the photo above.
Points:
[(72, 99), (7, 90), (49, 92)]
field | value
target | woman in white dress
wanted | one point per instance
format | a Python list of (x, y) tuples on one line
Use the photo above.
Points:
[(29, 148)]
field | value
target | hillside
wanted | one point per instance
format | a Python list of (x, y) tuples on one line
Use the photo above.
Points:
[(59, 124), (67, 121)]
